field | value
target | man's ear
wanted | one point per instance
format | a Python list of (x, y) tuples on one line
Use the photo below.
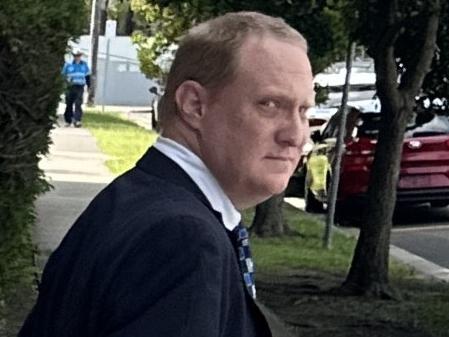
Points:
[(190, 99)]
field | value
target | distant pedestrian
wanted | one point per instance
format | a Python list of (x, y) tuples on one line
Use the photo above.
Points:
[(77, 74)]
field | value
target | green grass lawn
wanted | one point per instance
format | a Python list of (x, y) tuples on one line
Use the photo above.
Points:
[(123, 141), (293, 261), (301, 251), (305, 251)]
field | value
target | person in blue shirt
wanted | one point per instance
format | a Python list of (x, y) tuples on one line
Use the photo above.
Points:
[(77, 75)]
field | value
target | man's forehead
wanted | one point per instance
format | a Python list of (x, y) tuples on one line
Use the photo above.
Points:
[(268, 54), (273, 60)]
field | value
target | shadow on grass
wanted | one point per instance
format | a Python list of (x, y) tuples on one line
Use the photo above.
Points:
[(302, 298)]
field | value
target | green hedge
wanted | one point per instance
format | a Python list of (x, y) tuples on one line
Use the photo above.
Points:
[(33, 41)]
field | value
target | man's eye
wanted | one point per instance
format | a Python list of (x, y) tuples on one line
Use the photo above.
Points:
[(270, 104)]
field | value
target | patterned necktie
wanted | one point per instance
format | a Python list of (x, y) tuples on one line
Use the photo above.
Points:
[(240, 235)]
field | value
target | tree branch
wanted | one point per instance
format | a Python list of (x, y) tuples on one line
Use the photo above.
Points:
[(413, 78), (384, 52)]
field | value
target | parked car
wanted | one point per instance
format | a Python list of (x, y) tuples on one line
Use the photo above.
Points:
[(424, 173), (362, 82)]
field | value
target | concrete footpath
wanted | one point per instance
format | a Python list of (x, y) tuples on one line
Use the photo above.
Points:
[(75, 167)]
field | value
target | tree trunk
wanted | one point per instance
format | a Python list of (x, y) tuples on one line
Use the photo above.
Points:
[(368, 274), (129, 28), (269, 220), (94, 50), (104, 16), (125, 20)]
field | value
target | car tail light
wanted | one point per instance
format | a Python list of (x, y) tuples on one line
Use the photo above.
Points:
[(358, 147), (358, 152)]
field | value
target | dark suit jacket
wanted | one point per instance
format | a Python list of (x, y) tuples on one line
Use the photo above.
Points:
[(147, 258)]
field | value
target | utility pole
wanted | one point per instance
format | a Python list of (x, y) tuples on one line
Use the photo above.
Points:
[(94, 40), (332, 196)]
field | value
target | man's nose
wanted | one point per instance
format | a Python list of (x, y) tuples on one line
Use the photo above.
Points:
[(295, 131)]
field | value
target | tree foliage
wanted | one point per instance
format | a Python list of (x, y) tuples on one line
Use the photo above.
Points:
[(120, 10), (33, 41), (162, 23), (436, 83), (411, 19)]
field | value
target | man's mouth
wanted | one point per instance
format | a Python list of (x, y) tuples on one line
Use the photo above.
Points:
[(281, 158)]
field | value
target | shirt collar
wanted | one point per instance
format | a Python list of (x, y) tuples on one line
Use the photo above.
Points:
[(200, 174)]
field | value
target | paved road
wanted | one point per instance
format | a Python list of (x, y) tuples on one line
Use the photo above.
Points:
[(420, 230), (424, 231)]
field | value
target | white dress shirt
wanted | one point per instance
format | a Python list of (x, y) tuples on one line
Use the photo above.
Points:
[(203, 178)]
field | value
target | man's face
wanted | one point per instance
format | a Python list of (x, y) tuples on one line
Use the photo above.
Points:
[(254, 128)]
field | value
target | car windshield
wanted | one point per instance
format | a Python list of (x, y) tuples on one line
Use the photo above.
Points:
[(367, 125), (352, 88), (430, 125)]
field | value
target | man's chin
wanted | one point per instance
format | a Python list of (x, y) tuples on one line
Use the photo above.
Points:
[(276, 187), (262, 191)]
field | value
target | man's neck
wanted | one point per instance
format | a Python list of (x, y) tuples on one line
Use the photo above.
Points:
[(178, 134)]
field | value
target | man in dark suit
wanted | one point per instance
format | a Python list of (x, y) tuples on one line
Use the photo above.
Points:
[(160, 251)]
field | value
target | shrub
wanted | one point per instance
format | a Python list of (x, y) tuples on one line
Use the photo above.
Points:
[(33, 41)]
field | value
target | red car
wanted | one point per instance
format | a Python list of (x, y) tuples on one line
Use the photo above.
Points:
[(424, 175)]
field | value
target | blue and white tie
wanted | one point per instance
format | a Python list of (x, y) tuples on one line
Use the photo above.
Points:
[(245, 260)]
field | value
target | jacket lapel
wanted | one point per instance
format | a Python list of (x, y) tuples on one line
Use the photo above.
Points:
[(157, 164)]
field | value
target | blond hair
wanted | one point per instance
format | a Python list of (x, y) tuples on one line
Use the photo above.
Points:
[(208, 52)]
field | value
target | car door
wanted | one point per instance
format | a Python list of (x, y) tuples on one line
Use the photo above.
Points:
[(425, 156)]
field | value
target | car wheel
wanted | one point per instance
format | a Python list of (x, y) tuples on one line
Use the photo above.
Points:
[(342, 217), (348, 214)]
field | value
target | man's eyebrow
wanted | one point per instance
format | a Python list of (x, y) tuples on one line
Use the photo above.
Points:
[(305, 102), (275, 93)]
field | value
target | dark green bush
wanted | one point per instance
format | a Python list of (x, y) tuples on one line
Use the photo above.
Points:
[(33, 41)]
